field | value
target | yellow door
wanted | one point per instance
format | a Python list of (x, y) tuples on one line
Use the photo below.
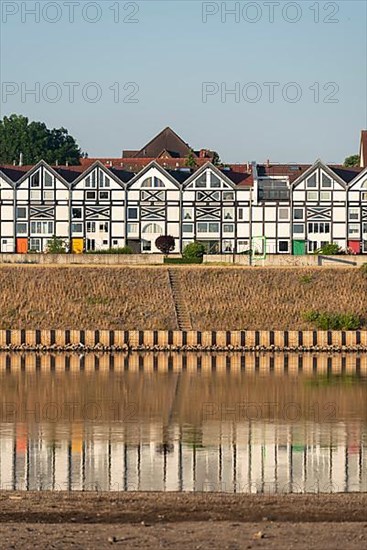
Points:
[(78, 245)]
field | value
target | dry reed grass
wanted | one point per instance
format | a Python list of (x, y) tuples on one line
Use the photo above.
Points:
[(135, 298), (85, 298), (270, 299)]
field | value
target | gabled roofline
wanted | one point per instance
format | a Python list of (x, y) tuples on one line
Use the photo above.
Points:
[(7, 179), (97, 164), (359, 176), (155, 137), (319, 164), (153, 164), (216, 170), (35, 168)]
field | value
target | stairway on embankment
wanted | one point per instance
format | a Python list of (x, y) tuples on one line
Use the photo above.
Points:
[(182, 312)]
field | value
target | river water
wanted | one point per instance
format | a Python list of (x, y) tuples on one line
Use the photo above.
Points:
[(235, 422)]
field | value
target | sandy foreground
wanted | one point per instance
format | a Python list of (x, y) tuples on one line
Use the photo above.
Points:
[(182, 521)]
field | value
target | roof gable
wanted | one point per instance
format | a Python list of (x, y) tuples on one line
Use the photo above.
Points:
[(166, 140)]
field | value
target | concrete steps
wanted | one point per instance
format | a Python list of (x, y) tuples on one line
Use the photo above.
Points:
[(182, 312)]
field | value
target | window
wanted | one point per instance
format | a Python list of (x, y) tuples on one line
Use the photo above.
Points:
[(76, 213), (48, 195), (35, 195), (103, 227), (35, 245), (312, 195), (227, 246), (298, 214), (21, 228), (283, 214), (90, 181), (364, 196), (90, 195), (353, 229), (91, 227), (153, 228), (325, 195), (42, 228), (298, 228), (228, 213), (104, 242), (132, 213), (214, 180), (205, 227), (283, 246), (104, 181), (201, 182), (228, 195), (319, 227), (104, 195), (146, 246), (240, 213), (115, 243), (47, 180), (132, 228), (21, 213), (228, 228), (77, 228), (354, 214), (312, 246), (187, 214), (152, 182), (311, 181), (325, 181), (35, 180), (364, 228), (187, 228)]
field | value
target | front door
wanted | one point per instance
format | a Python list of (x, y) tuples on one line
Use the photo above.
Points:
[(299, 248)]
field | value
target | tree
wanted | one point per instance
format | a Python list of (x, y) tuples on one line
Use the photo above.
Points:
[(36, 142), (165, 243), (190, 161), (194, 250), (56, 246), (351, 161)]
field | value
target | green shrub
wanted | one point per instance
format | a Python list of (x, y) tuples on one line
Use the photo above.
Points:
[(306, 279), (333, 321), (194, 250), (329, 249), (123, 250), (56, 246)]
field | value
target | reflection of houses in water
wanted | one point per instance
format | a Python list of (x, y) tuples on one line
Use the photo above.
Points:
[(229, 456)]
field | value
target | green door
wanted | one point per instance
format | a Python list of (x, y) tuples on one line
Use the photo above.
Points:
[(299, 248)]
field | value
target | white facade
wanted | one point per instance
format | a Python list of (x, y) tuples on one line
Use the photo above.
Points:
[(103, 208)]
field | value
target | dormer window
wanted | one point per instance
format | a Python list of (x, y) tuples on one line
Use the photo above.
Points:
[(214, 180), (326, 181)]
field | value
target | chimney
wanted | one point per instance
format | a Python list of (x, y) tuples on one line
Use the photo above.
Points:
[(14, 163), (268, 163), (21, 159), (67, 163), (56, 163)]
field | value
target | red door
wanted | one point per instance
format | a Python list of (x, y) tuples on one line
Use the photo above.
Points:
[(355, 246), (22, 246)]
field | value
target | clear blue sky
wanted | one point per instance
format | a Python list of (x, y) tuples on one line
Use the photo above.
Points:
[(169, 52)]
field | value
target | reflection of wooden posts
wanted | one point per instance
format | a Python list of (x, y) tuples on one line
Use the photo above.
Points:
[(250, 229)]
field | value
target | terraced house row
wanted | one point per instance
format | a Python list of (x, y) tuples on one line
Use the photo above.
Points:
[(280, 209)]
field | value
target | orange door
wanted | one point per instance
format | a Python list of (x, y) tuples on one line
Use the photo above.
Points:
[(22, 246)]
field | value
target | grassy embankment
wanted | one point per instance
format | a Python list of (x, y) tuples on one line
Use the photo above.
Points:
[(140, 297)]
